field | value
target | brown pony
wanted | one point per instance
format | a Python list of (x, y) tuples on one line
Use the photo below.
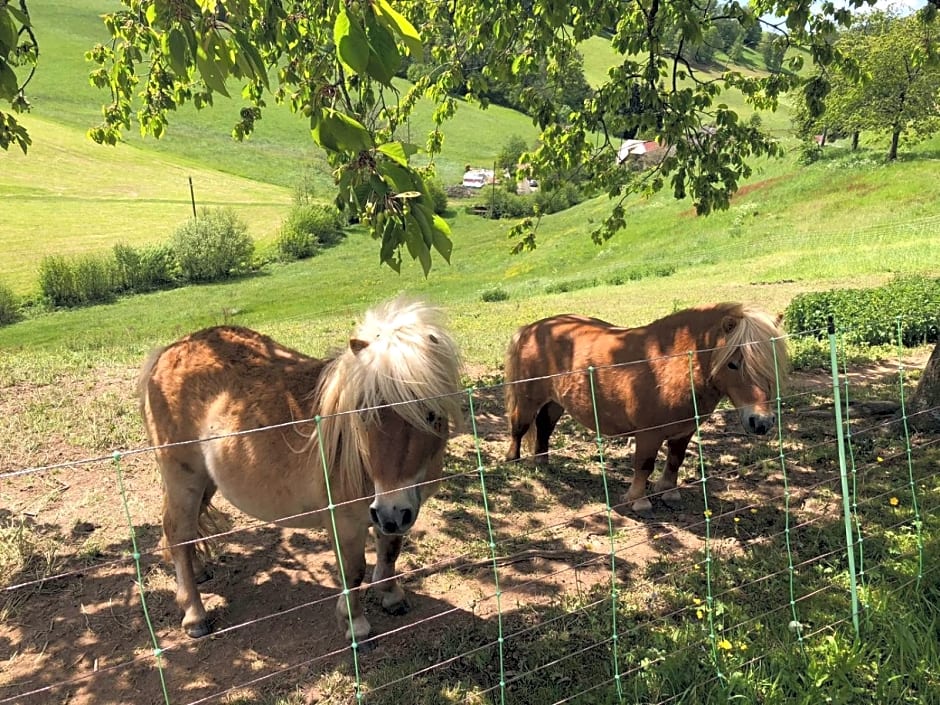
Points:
[(642, 381), (384, 406)]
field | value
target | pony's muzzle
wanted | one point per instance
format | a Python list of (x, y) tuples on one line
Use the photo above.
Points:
[(759, 424), (390, 518)]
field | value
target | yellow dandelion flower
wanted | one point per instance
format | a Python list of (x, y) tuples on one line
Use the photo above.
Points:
[(737, 520), (700, 614), (708, 513), (753, 510), (880, 459), (742, 646), (894, 501), (696, 601), (724, 645)]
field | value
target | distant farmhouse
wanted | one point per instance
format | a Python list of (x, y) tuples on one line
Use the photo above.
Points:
[(478, 178), (636, 148)]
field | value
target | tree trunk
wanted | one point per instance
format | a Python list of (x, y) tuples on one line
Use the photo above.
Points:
[(893, 151), (855, 140), (923, 407)]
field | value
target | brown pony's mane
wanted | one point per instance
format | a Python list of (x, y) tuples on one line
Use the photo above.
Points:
[(762, 344), (411, 364)]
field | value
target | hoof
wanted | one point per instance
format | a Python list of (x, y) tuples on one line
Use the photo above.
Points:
[(198, 630), (643, 507), (672, 498), (366, 646), (397, 608)]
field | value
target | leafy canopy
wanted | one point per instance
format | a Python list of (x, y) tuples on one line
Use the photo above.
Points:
[(335, 62)]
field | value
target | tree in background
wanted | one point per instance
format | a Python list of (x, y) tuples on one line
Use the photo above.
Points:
[(18, 54), (334, 63), (889, 84)]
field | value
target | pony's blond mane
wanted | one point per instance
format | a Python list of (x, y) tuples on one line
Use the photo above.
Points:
[(411, 363), (762, 344)]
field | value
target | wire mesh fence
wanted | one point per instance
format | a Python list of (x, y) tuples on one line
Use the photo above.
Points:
[(527, 584)]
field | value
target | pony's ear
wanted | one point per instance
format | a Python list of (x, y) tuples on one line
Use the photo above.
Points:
[(778, 321), (728, 324), (357, 345)]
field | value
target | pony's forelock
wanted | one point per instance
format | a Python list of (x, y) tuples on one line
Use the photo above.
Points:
[(762, 345), (411, 364)]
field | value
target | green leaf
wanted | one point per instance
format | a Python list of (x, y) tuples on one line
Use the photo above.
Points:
[(351, 43), (8, 82), (395, 151), (7, 33), (423, 217), (440, 237), (395, 21), (384, 57), (401, 178), (211, 72), (340, 133), (414, 240), (177, 48)]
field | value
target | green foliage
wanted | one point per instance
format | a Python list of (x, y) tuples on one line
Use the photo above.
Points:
[(18, 50), (637, 273), (870, 316), (436, 194), (511, 153), (308, 229), (492, 295), (10, 311), (213, 246), (78, 281), (147, 269)]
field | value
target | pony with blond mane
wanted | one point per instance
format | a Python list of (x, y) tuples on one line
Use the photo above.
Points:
[(342, 443), (648, 382)]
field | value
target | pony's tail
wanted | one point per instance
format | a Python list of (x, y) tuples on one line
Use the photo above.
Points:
[(143, 380), (511, 388)]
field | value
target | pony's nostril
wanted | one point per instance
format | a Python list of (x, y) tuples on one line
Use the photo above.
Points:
[(390, 528), (406, 518), (375, 515)]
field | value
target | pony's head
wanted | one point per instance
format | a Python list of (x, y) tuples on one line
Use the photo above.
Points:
[(392, 394), (748, 363)]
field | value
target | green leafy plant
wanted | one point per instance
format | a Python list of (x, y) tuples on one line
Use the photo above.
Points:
[(9, 306), (79, 281), (213, 246), (307, 229)]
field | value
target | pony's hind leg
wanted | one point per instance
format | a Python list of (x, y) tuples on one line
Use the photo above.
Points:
[(666, 486), (644, 460), (545, 422), (383, 577), (183, 493)]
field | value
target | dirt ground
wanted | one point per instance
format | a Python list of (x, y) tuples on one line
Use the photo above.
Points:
[(73, 630)]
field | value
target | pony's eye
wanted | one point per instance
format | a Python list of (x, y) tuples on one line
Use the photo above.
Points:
[(432, 418), (733, 365)]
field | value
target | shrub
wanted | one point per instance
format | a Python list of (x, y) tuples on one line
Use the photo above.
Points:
[(437, 194), (500, 203), (307, 229), (213, 246), (558, 199), (870, 316), (84, 280), (9, 306), (144, 270), (492, 295)]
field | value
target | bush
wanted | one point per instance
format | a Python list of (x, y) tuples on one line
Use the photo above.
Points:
[(309, 228), (437, 194), (492, 295), (9, 306), (558, 199), (870, 316), (144, 270), (213, 246), (501, 203), (84, 280)]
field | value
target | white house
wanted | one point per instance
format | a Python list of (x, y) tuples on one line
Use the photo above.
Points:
[(635, 148), (477, 178)]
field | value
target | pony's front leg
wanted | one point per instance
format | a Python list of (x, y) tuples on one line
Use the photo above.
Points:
[(644, 460), (350, 546), (387, 549), (666, 485)]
